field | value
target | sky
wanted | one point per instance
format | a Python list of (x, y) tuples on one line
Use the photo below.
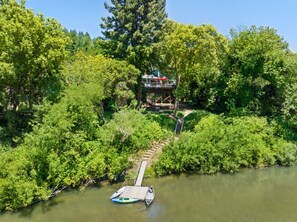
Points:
[(85, 15)]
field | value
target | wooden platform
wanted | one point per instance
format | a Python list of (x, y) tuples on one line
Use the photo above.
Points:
[(135, 192), (141, 173)]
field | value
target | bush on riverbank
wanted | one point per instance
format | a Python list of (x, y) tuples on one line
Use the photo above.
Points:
[(226, 144), (69, 148), (193, 119)]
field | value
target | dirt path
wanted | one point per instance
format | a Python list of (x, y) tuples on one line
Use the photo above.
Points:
[(187, 112)]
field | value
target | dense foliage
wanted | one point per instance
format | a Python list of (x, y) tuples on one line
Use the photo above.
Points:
[(163, 119), (32, 50), (131, 30), (83, 42), (193, 119), (226, 144), (115, 78), (71, 141), (70, 147), (85, 127), (196, 55), (260, 71)]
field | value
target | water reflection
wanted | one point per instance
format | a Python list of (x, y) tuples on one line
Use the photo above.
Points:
[(252, 195)]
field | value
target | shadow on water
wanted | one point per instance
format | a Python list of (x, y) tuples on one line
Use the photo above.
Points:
[(266, 195), (48, 206), (29, 212), (44, 206)]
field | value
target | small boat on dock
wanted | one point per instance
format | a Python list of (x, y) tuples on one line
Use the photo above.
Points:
[(118, 193), (124, 200), (150, 196), (132, 194)]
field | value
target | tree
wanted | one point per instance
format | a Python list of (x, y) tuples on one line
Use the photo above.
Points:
[(259, 71), (32, 49), (289, 107), (133, 27), (116, 78), (195, 53), (82, 42)]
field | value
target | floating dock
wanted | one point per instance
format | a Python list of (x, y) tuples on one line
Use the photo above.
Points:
[(137, 191)]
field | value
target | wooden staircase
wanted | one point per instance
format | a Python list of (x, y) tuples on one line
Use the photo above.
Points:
[(152, 153)]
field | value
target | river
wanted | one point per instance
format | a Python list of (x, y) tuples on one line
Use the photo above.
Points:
[(252, 195)]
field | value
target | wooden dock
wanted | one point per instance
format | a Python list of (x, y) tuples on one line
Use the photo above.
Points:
[(134, 192), (141, 173), (137, 191)]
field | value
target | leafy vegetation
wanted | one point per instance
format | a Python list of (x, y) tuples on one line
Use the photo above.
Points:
[(163, 119), (70, 148), (226, 144), (82, 42), (260, 70), (67, 103), (116, 78), (193, 119), (32, 50), (185, 50), (131, 30)]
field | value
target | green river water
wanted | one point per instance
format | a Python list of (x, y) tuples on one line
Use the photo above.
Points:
[(252, 195)]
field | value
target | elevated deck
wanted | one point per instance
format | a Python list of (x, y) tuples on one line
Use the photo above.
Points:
[(159, 86)]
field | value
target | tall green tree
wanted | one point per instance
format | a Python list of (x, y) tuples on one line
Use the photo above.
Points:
[(260, 69), (116, 78), (133, 27), (81, 41), (195, 53), (32, 49), (289, 107)]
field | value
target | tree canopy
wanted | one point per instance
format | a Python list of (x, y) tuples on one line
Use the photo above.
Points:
[(32, 49), (132, 28), (260, 68), (71, 143), (81, 41), (83, 123), (195, 54), (116, 78)]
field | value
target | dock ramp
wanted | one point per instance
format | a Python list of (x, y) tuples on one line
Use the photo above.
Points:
[(141, 173)]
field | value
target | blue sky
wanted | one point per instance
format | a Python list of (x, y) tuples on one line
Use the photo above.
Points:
[(223, 14)]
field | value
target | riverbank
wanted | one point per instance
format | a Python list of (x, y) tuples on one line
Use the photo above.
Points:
[(266, 195), (73, 155), (224, 144)]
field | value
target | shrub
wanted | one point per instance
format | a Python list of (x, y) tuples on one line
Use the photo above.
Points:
[(226, 144)]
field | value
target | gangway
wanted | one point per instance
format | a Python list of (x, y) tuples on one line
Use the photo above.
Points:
[(141, 173)]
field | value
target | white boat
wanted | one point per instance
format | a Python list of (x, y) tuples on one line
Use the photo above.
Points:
[(150, 196), (118, 192)]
